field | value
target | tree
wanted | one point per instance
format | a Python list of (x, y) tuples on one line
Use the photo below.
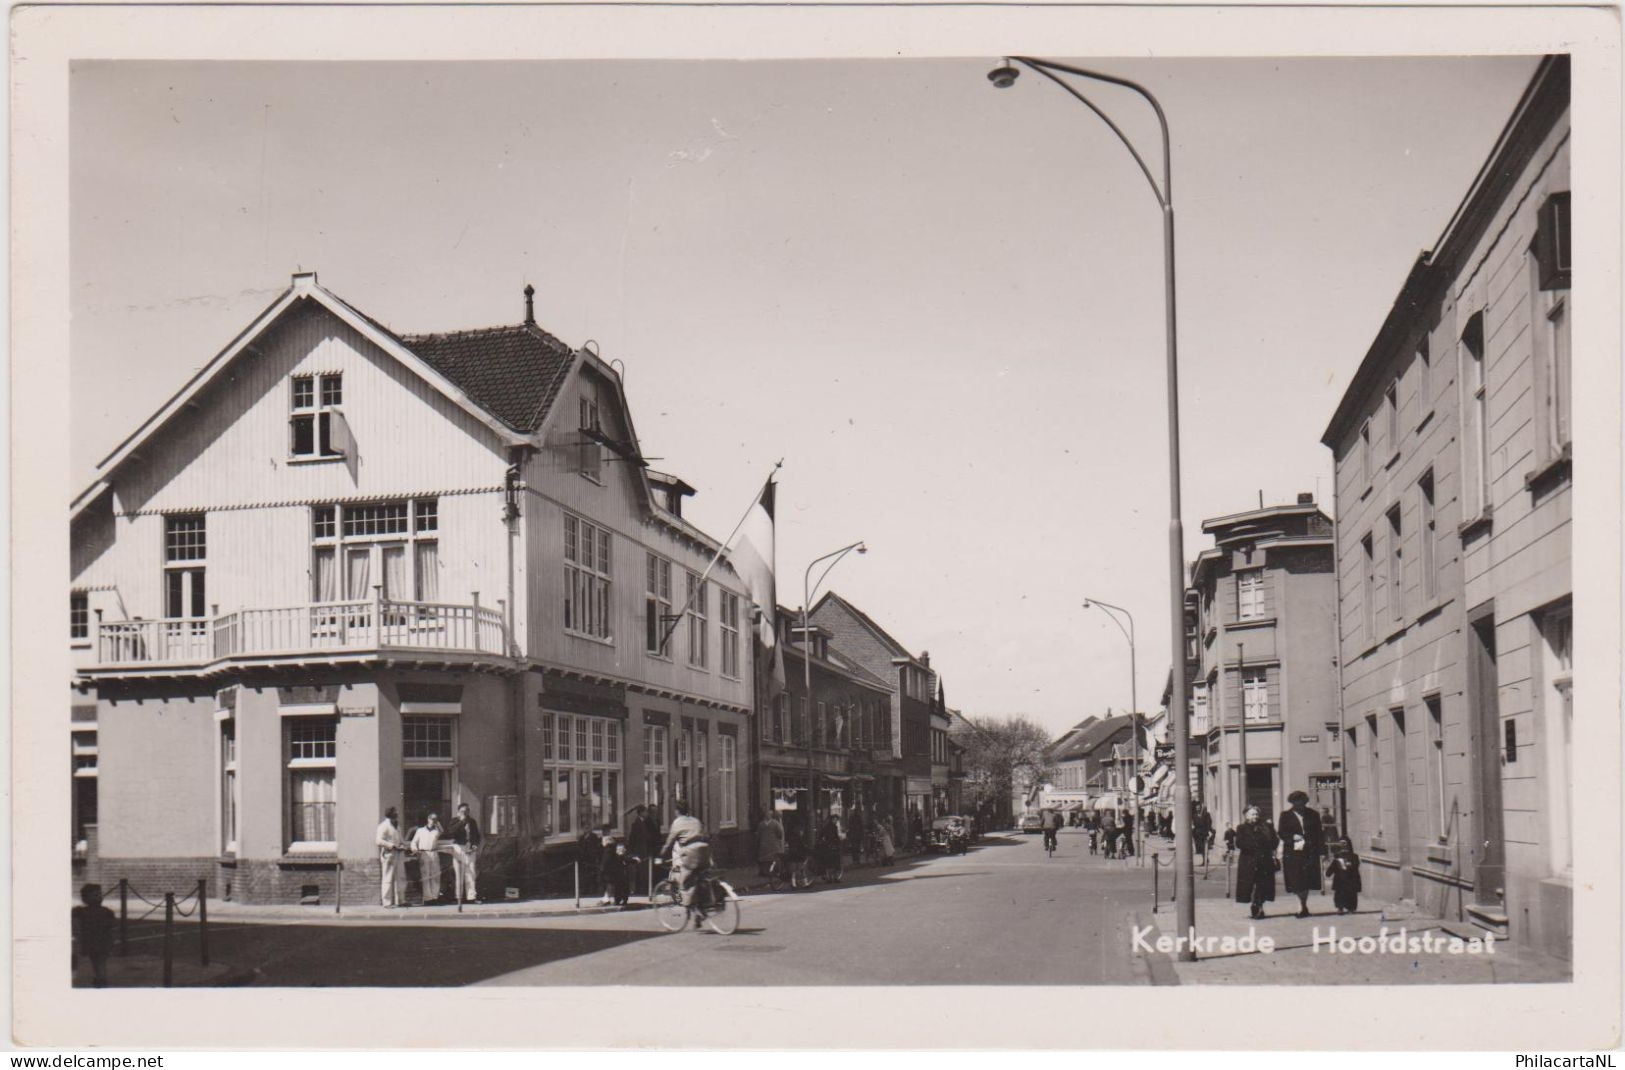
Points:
[(1008, 755)]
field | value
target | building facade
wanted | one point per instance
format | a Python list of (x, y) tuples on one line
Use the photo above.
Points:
[(1454, 476), (345, 569), (1264, 719), (832, 754), (914, 687)]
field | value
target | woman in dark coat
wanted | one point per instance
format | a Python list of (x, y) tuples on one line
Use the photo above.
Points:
[(829, 848), (1255, 870)]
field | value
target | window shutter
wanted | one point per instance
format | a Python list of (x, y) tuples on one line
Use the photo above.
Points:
[(1552, 247)]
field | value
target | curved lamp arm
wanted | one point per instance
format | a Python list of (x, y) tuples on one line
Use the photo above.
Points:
[(1047, 68)]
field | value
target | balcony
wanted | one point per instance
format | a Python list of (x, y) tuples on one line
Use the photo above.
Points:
[(325, 631)]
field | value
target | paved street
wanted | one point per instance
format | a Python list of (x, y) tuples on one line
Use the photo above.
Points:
[(1001, 914)]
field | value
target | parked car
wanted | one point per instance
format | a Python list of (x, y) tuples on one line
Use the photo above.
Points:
[(1032, 822), (949, 834)]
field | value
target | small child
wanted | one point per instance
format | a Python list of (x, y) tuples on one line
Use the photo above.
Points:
[(93, 928), (1094, 840), (615, 870), (1345, 874)]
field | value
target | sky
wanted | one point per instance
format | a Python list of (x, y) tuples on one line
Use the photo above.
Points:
[(940, 304)]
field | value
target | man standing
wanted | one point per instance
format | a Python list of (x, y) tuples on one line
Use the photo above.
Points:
[(465, 833), (389, 860), (1302, 842), (425, 842), (1201, 829)]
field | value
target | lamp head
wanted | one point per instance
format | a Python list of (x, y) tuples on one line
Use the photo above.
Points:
[(862, 549), (1003, 77)]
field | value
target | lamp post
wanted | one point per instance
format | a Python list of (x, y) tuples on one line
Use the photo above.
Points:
[(1002, 78), (1111, 611), (807, 589)]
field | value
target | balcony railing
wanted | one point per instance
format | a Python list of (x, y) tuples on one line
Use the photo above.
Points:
[(318, 628)]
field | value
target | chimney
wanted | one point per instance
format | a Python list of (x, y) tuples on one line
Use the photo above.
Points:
[(1305, 498), (530, 305)]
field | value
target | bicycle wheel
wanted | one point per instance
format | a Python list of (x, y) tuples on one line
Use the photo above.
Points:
[(724, 917), (668, 906), (801, 875), (775, 877), (837, 873)]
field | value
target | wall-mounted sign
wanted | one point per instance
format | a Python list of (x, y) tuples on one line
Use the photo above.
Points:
[(357, 711), (1308, 739)]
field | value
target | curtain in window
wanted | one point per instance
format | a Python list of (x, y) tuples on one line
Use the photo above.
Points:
[(395, 585), (313, 806), (358, 578), (325, 577), (428, 572)]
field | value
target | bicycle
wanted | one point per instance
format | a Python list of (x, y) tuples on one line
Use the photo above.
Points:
[(1050, 838), (781, 871), (715, 904)]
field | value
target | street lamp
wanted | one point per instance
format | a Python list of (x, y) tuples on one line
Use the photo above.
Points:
[(1184, 872), (1112, 611), (807, 589)]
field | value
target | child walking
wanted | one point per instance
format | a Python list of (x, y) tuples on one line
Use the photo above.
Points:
[(93, 928), (1345, 874)]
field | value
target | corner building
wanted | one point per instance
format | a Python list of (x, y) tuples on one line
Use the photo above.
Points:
[(345, 569)]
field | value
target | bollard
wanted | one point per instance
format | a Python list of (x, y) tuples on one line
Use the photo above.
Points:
[(123, 916), (1228, 890), (338, 888), (203, 921), (1156, 891), (577, 867), (169, 926), (649, 890)]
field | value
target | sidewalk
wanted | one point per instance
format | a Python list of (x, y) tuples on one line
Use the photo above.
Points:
[(1433, 951), (744, 880)]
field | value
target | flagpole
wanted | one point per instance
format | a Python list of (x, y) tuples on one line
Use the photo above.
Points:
[(721, 549)]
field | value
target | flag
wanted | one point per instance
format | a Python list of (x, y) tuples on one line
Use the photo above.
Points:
[(752, 556)]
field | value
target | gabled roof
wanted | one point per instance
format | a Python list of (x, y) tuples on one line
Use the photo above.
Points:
[(1082, 743), (513, 373), (303, 290), (898, 649)]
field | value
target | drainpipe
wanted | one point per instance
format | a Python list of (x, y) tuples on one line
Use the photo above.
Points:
[(512, 481), (1337, 658)]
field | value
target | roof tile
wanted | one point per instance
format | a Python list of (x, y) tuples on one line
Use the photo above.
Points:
[(514, 373)]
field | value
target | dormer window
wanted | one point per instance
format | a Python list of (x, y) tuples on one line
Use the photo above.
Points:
[(311, 425), (591, 458)]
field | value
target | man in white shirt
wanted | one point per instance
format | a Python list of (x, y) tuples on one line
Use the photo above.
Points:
[(389, 860), (426, 841)]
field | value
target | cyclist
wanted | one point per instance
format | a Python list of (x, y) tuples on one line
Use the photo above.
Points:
[(690, 853), (1052, 829)]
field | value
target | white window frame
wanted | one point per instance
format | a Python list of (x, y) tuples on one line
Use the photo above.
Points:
[(420, 528), (589, 454), (1250, 594), (1433, 706), (1368, 586), (1199, 708), (1427, 530), (318, 411), (698, 621), (589, 580), (728, 632), (1396, 565), (582, 756), (657, 788), (192, 568), (296, 768), (1475, 432), (1255, 695), (1556, 628), (231, 796), (657, 606)]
